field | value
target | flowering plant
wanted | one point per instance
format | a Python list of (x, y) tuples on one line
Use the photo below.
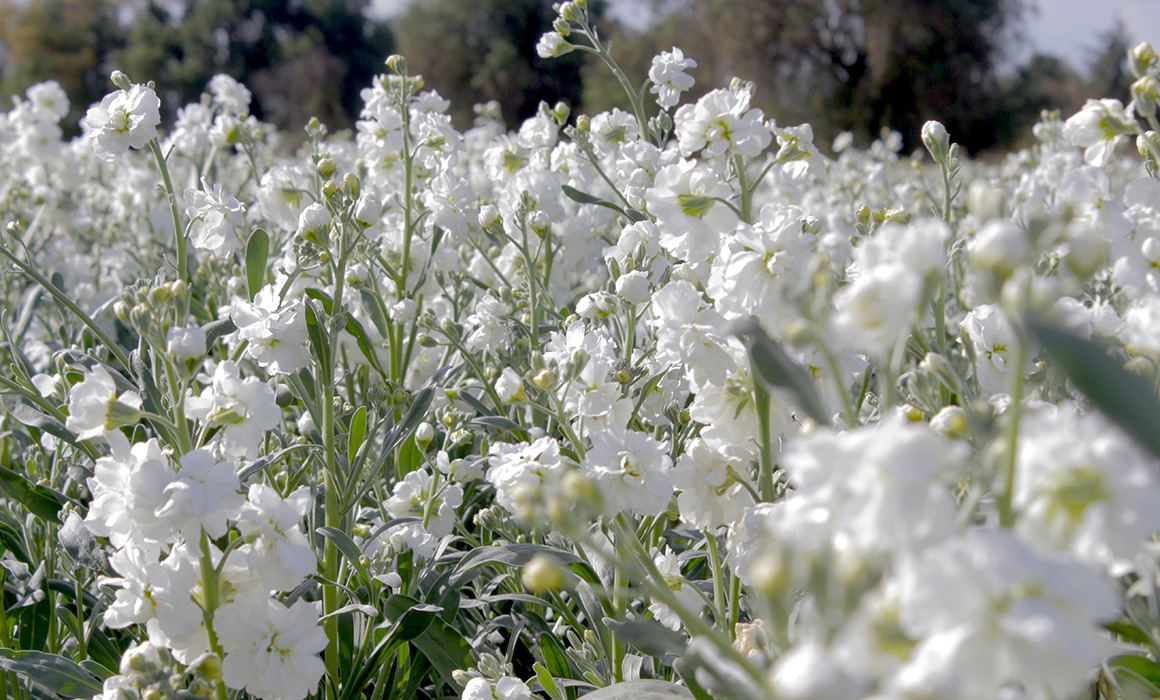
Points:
[(664, 402)]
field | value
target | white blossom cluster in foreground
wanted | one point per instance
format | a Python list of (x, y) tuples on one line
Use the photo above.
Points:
[(414, 412)]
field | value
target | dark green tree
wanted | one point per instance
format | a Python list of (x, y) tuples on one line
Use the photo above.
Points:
[(301, 59), (474, 51)]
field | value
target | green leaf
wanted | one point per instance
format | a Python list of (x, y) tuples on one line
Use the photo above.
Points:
[(348, 548), (80, 544), (512, 555), (216, 329), (584, 198), (1126, 399), (686, 668), (51, 672), (257, 249), (641, 690), (407, 618), (358, 433), (544, 676), (319, 340), (649, 636), (1138, 677), (774, 369), (446, 650), (26, 412), (1127, 632), (555, 659), (41, 501)]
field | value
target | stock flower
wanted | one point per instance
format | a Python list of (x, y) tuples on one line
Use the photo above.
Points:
[(271, 650), (213, 220), (632, 469), (721, 123), (1098, 128), (128, 487), (668, 77), (243, 408), (275, 331), (230, 95), (419, 495), (670, 568), (877, 309), (94, 407), (714, 485), (1082, 485), (506, 688), (685, 201), (124, 119), (989, 612), (279, 553), (691, 333), (993, 340), (204, 493), (520, 472)]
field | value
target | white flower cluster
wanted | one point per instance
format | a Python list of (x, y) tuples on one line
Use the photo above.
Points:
[(799, 404)]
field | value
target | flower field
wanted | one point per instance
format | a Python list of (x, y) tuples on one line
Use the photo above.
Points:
[(649, 404)]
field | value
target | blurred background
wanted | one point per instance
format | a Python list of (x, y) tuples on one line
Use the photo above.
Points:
[(985, 68)]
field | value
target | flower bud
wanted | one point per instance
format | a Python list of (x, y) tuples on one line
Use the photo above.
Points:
[(1146, 93), (185, 344), (1141, 58), (562, 27), (208, 666), (424, 434), (326, 167), (950, 421), (937, 141), (538, 221), (508, 386), (329, 188), (351, 182), (489, 216), (121, 80), (313, 223), (397, 64), (368, 210), (1000, 247), (542, 574)]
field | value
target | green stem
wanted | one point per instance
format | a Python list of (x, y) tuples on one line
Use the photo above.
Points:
[(179, 242), (1011, 435), (761, 401), (212, 593), (719, 599)]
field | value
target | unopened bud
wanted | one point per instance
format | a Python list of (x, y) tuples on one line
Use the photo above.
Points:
[(326, 167), (542, 574), (329, 188), (1146, 94), (1141, 58), (397, 64), (937, 141), (121, 80), (424, 434)]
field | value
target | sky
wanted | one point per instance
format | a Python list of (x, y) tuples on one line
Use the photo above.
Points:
[(1069, 29)]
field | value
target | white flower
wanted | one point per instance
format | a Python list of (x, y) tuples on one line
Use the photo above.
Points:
[(509, 386), (489, 331), (633, 470), (668, 77), (204, 494), (670, 568), (989, 612), (124, 119), (275, 331), (1082, 485), (684, 198), (94, 407), (128, 488), (633, 287), (280, 554), (271, 651), (879, 307), (421, 495), (551, 45), (691, 333), (520, 472), (993, 341), (1000, 246), (721, 122), (213, 220), (712, 484), (506, 688), (185, 343), (314, 222), (230, 95), (244, 408), (1098, 128), (49, 101)]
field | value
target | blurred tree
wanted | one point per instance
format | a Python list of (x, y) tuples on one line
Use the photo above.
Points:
[(474, 51), (300, 59), (1109, 75), (69, 41), (839, 64)]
